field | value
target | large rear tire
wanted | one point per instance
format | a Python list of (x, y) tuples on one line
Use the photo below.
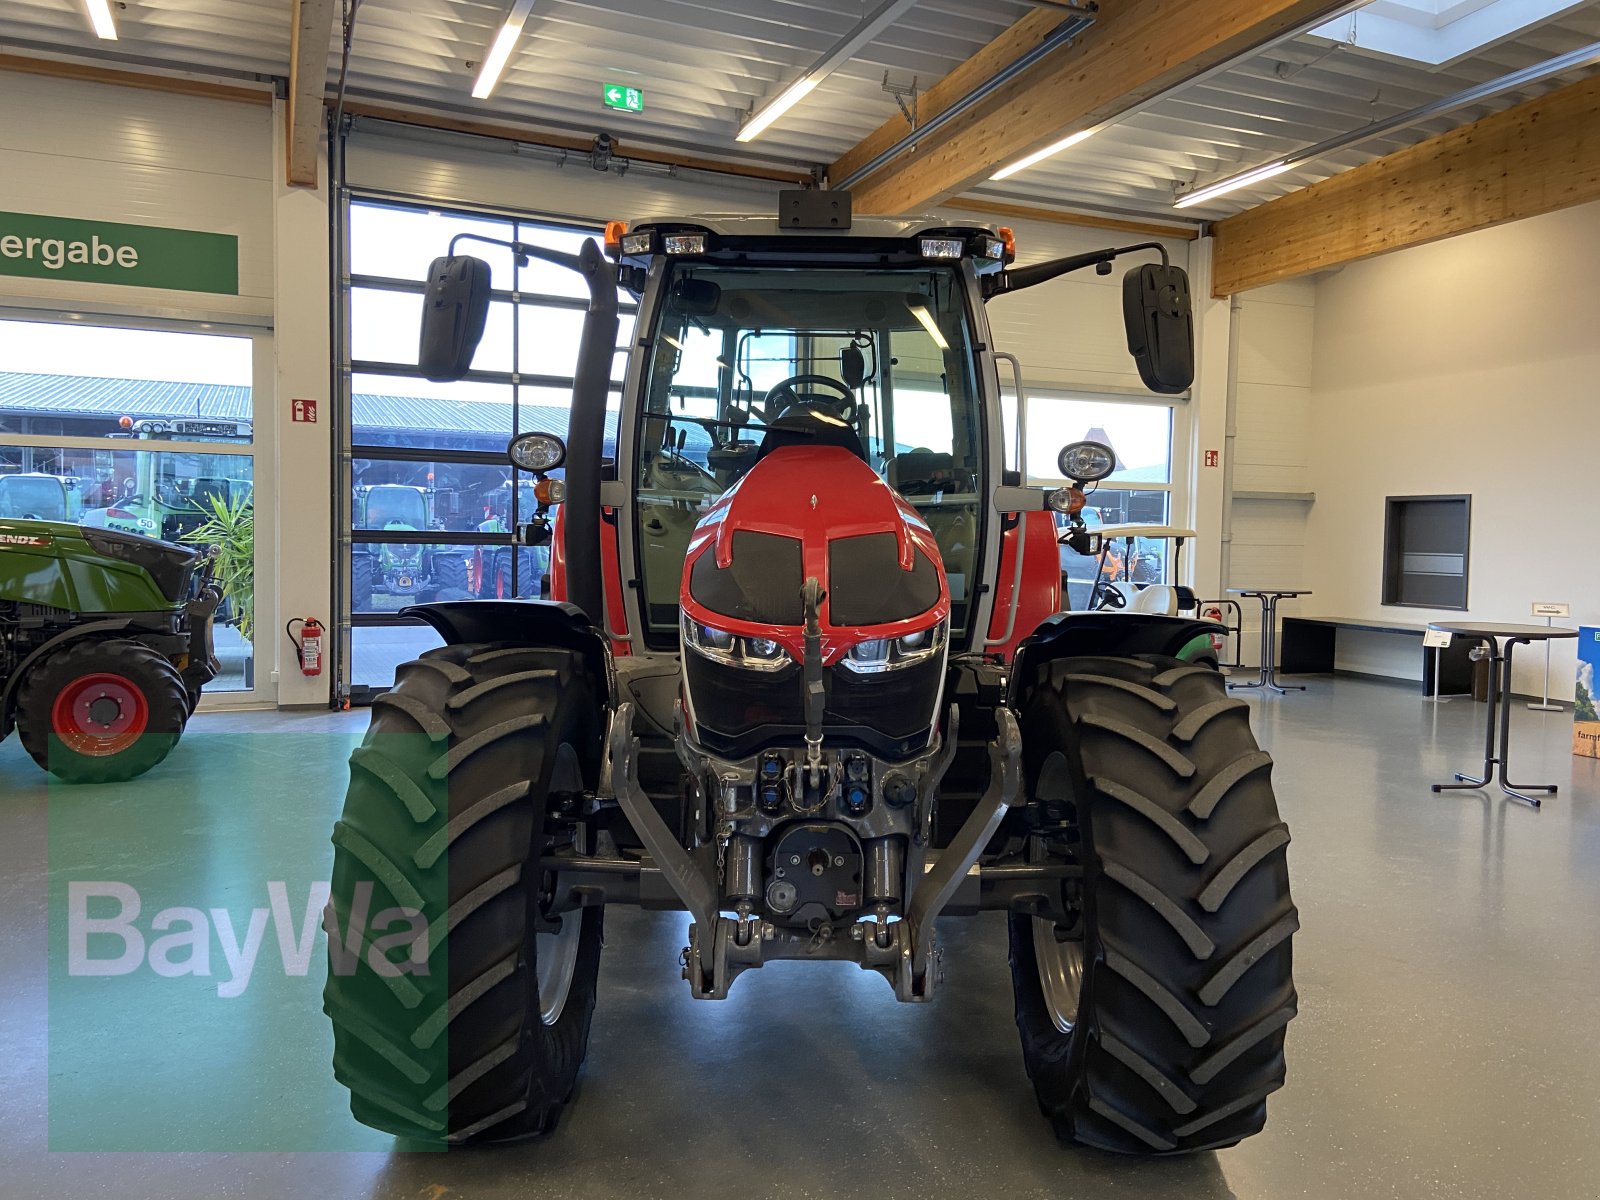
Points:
[(101, 711), (1162, 1030), (476, 1029)]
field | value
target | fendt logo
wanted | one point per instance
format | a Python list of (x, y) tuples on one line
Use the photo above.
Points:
[(23, 539)]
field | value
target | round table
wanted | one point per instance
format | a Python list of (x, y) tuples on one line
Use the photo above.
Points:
[(1269, 598), (1501, 639)]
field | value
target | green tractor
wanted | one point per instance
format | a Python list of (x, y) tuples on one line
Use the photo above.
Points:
[(407, 567), (492, 565), (163, 502), (105, 643)]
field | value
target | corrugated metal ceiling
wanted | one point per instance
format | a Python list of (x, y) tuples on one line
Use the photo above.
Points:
[(703, 63)]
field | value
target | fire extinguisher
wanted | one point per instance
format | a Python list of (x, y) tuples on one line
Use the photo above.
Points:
[(1218, 640), (308, 647)]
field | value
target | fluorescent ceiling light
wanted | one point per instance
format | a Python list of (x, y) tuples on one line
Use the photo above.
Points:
[(870, 26), (919, 310), (1233, 183), (100, 18), (786, 99), (500, 53), (1038, 156)]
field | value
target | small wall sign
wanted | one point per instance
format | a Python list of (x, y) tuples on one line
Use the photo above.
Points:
[(304, 411), (1550, 609), (1211, 458), (1436, 638)]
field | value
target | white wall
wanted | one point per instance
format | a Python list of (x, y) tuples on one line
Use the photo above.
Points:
[(100, 152), (1271, 448), (1470, 365)]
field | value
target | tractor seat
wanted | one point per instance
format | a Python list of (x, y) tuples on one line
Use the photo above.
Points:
[(922, 473), (811, 425), (1156, 598)]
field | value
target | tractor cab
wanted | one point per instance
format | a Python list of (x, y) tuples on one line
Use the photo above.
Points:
[(396, 506), (866, 344), (34, 496)]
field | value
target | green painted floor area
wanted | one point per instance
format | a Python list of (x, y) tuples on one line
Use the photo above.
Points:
[(1448, 968)]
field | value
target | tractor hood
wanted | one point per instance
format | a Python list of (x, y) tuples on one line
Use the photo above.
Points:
[(60, 565), (814, 512)]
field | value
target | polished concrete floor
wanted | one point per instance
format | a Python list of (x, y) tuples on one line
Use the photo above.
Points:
[(1448, 967)]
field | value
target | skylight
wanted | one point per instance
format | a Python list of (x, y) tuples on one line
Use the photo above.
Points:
[(1437, 32)]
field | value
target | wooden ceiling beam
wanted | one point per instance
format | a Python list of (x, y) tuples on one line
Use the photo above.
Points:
[(311, 29), (1024, 212), (148, 81), (1135, 50), (1538, 157)]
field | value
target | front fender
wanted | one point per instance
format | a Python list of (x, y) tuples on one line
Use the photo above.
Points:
[(523, 623), (1116, 634)]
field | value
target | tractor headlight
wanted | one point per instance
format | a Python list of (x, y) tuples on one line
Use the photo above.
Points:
[(756, 654), (686, 243), (636, 245), (890, 654), (943, 247)]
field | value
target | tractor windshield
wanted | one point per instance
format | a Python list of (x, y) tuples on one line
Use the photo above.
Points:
[(396, 506), (888, 350)]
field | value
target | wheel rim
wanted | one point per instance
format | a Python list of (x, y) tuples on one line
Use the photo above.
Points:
[(100, 715), (1060, 973), (556, 954)]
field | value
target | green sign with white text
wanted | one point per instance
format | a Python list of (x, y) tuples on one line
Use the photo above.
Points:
[(184, 260), (621, 96)]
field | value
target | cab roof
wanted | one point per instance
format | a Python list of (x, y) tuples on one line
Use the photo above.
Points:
[(760, 225)]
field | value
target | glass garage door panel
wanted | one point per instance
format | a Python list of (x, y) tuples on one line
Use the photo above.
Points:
[(376, 650), (406, 411), (386, 327), (399, 242), (452, 479)]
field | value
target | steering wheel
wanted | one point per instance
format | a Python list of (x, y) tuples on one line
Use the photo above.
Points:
[(1104, 596), (784, 396)]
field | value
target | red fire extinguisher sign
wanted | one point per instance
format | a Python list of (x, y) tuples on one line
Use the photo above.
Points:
[(308, 646)]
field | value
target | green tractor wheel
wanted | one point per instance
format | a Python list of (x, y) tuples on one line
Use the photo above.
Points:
[(101, 711), (450, 577)]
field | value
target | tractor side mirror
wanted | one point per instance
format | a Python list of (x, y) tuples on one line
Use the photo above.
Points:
[(455, 307), (1160, 324), (853, 367)]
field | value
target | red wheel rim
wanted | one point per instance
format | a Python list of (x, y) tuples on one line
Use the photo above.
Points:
[(100, 715)]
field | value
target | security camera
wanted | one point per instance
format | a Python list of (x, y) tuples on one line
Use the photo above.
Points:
[(600, 155)]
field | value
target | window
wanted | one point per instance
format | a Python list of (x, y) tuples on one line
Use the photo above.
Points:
[(1139, 492), (432, 500), (148, 430), (1425, 544), (888, 351)]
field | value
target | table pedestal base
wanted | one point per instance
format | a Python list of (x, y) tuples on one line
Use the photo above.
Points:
[(1497, 737), (1268, 678)]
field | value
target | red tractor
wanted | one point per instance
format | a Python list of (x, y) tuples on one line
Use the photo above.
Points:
[(805, 676)]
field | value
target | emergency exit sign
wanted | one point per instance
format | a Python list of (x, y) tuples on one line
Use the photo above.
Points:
[(621, 96)]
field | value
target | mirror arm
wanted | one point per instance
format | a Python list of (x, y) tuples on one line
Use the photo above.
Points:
[(523, 249), (1018, 278)]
